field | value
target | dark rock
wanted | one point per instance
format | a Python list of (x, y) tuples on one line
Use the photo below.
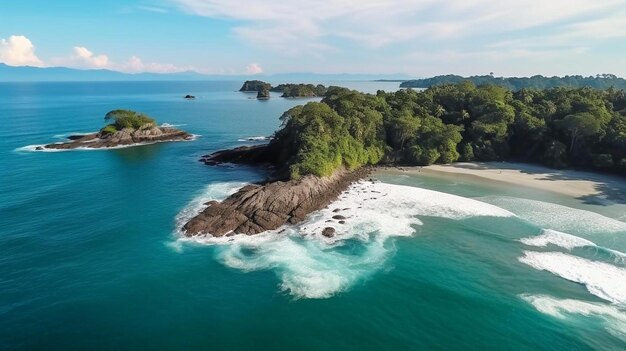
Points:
[(328, 232), (148, 133), (257, 154), (336, 210), (257, 208), (190, 97), (339, 217), (342, 222)]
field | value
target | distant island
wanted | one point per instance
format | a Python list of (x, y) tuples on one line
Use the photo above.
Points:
[(127, 128), (323, 146), (600, 81), (288, 90)]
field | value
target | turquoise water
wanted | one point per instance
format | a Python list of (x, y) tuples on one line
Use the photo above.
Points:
[(90, 256)]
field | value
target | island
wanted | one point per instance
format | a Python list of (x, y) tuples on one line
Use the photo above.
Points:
[(289, 90), (254, 86), (126, 128), (322, 147)]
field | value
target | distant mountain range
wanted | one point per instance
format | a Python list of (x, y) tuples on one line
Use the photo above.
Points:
[(64, 74)]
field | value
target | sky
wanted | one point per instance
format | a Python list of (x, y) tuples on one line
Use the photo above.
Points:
[(414, 37)]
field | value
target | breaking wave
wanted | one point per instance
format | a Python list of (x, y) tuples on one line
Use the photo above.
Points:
[(612, 317), (310, 265), (558, 217), (601, 279)]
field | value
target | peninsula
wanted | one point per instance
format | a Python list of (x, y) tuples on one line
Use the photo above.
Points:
[(126, 128), (324, 146)]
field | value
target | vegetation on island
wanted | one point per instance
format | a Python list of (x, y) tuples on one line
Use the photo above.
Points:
[(263, 93), (125, 119), (558, 127), (288, 90), (254, 85), (300, 90), (600, 81)]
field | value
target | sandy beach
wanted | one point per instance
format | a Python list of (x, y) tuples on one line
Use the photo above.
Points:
[(567, 182)]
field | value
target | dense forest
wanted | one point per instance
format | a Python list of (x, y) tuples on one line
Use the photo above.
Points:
[(559, 127), (601, 81), (300, 90)]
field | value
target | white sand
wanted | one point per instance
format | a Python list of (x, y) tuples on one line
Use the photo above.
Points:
[(566, 182)]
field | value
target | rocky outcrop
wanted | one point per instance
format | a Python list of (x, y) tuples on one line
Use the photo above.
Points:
[(257, 208), (257, 154), (148, 133), (254, 86), (189, 97), (263, 94)]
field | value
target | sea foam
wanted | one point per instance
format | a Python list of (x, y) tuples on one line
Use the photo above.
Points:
[(33, 148), (603, 280), (612, 317), (310, 265), (554, 237), (558, 217), (569, 242)]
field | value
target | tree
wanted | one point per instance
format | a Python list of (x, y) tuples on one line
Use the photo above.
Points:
[(579, 125)]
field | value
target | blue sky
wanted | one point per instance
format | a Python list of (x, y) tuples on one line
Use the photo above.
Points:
[(416, 37)]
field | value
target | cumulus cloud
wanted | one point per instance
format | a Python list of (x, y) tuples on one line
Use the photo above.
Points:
[(254, 68), (18, 50), (85, 58), (136, 65)]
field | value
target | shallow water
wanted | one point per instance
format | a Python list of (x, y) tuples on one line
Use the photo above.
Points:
[(91, 257)]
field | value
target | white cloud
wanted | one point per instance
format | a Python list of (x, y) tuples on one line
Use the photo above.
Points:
[(83, 57), (136, 65), (18, 50), (296, 25), (254, 68), (152, 9)]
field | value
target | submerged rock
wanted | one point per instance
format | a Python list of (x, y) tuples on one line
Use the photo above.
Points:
[(328, 232)]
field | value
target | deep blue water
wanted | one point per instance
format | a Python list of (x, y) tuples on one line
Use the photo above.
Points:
[(90, 256)]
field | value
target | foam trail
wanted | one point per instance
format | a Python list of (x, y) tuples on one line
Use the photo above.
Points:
[(558, 217), (613, 317), (33, 148), (569, 242), (310, 265), (168, 125), (604, 280), (554, 237)]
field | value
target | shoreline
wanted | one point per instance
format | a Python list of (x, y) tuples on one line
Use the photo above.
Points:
[(573, 183)]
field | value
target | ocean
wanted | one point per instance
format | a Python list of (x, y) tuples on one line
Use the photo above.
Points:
[(91, 256)]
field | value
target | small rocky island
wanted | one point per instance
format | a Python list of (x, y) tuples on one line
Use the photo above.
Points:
[(127, 128)]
